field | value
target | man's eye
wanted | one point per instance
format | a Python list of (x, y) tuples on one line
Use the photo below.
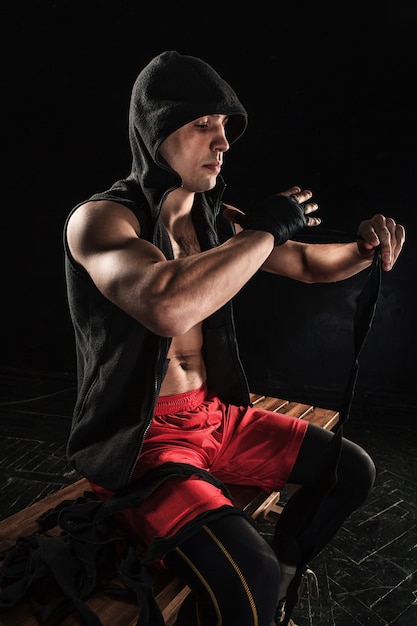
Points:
[(202, 125)]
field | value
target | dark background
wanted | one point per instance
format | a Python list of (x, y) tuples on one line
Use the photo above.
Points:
[(330, 96)]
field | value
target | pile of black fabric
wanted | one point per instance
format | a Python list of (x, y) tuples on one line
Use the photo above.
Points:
[(58, 573)]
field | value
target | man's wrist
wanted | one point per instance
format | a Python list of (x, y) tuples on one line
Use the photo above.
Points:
[(364, 252)]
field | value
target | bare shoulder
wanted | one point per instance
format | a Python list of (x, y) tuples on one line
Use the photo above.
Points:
[(98, 213), (96, 225)]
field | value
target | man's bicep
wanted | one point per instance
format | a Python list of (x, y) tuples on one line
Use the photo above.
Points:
[(105, 241), (99, 226)]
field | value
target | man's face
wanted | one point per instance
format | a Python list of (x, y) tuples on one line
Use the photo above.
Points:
[(195, 151)]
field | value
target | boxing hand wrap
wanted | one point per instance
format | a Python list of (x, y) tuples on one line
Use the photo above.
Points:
[(281, 216)]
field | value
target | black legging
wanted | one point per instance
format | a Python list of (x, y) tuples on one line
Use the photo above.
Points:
[(234, 573)]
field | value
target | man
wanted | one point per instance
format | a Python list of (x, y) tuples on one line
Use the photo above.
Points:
[(152, 265)]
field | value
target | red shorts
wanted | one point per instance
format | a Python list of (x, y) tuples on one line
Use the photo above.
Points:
[(238, 445)]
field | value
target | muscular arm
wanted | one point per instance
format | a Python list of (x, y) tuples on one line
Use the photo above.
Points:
[(317, 263), (168, 297), (332, 262), (311, 263)]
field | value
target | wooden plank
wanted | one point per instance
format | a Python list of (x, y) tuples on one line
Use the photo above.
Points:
[(271, 404), (254, 397), (171, 603), (297, 409), (268, 503), (326, 418), (111, 610)]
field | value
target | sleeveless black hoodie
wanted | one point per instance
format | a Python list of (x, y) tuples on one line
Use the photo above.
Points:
[(121, 364)]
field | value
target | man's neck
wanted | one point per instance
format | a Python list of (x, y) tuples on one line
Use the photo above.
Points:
[(177, 205)]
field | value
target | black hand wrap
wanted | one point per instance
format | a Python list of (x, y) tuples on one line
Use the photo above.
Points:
[(281, 216)]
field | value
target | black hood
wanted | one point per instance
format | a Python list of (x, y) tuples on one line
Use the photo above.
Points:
[(172, 90)]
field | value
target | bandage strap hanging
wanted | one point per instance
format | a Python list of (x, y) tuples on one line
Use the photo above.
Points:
[(327, 472)]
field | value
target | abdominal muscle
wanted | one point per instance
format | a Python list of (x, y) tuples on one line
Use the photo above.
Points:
[(186, 369)]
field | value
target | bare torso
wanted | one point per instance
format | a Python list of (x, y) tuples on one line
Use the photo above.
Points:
[(186, 369)]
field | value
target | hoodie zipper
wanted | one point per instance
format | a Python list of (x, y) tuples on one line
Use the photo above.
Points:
[(160, 361), (158, 377)]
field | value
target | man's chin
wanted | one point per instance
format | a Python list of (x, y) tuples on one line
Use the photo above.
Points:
[(202, 185), (209, 184)]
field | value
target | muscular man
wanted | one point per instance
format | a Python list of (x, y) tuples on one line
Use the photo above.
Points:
[(152, 266)]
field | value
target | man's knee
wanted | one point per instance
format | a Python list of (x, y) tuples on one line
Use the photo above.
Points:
[(357, 469)]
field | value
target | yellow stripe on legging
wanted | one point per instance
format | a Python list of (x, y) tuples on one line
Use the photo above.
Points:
[(209, 589)]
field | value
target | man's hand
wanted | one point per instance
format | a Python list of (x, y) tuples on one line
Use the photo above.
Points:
[(384, 232), (281, 215), (302, 197)]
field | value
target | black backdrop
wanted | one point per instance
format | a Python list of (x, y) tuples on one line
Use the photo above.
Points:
[(329, 91)]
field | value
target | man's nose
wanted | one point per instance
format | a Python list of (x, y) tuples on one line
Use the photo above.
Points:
[(220, 143)]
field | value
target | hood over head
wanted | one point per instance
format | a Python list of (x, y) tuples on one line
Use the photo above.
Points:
[(171, 91)]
